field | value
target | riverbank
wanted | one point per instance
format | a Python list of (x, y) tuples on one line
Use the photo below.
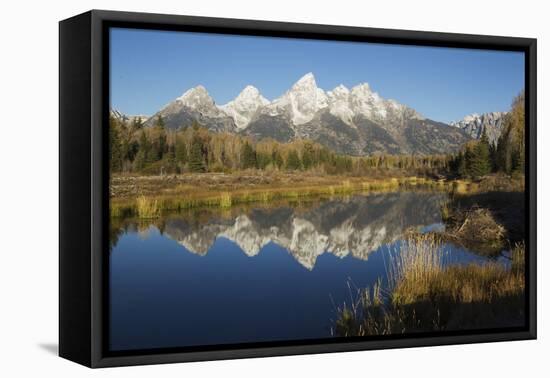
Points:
[(149, 196)]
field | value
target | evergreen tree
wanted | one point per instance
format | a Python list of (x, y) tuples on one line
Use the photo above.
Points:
[(277, 158), (137, 124), (248, 156), (171, 159), (115, 146), (461, 165), (483, 152), (293, 161), (478, 158), (493, 156), (196, 157), (181, 151), (262, 160), (160, 122), (308, 156), (142, 156), (324, 155), (159, 145)]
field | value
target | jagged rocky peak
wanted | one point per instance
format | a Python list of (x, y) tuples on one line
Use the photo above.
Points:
[(370, 104), (475, 124), (196, 97), (301, 102), (195, 105), (199, 100), (365, 101), (251, 94), (471, 118), (339, 92), (487, 118), (339, 104), (244, 106), (306, 82)]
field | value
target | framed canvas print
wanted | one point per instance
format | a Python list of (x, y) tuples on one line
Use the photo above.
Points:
[(234, 188)]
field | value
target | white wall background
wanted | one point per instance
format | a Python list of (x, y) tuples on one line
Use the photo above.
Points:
[(29, 188)]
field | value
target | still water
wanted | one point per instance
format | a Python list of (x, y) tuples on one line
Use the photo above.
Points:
[(257, 273)]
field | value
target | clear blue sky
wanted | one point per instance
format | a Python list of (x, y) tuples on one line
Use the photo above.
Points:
[(151, 68)]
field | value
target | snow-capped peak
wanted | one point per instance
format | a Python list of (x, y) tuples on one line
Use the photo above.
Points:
[(362, 88), (251, 91), (367, 102), (339, 104), (301, 102), (197, 93), (471, 117), (306, 81), (340, 90), (250, 95), (244, 106), (194, 97), (198, 99)]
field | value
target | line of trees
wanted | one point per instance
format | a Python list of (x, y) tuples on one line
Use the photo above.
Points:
[(158, 150), (479, 158)]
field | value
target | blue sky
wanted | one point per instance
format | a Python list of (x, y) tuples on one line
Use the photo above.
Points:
[(151, 68)]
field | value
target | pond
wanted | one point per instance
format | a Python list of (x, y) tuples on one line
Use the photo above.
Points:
[(257, 273)]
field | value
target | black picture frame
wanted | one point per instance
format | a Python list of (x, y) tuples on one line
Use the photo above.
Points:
[(84, 196)]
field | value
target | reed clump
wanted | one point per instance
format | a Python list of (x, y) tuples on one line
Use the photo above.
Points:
[(147, 208), (225, 200), (445, 210), (414, 265), (425, 295), (347, 186)]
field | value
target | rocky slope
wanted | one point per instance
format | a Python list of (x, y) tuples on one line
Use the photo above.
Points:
[(195, 105)]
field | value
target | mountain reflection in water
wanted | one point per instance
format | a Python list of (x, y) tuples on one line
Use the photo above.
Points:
[(355, 225), (254, 274)]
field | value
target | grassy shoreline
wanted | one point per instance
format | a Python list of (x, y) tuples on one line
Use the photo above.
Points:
[(170, 195), (150, 196)]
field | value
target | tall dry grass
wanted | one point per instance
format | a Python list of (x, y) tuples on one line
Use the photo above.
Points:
[(414, 266), (225, 200), (147, 208), (425, 295)]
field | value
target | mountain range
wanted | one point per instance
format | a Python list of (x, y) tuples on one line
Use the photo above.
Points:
[(356, 121), (126, 118)]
